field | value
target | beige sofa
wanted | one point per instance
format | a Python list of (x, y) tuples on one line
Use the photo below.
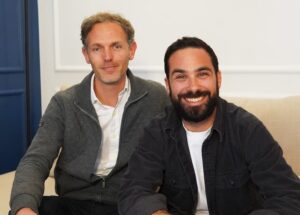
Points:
[(281, 116)]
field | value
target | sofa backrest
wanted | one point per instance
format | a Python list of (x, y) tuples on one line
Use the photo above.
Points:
[(282, 118)]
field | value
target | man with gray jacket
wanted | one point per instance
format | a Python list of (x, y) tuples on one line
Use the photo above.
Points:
[(95, 125)]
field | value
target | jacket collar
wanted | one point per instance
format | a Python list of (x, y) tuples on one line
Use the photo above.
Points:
[(138, 89), (218, 125), (83, 96)]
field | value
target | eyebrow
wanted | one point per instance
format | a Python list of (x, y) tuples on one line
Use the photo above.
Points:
[(181, 71), (178, 71), (101, 45), (203, 68), (116, 43)]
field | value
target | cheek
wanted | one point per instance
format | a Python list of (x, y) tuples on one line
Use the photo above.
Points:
[(121, 58), (175, 90), (209, 85), (91, 58)]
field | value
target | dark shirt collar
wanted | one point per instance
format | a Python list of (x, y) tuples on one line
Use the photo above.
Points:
[(218, 125)]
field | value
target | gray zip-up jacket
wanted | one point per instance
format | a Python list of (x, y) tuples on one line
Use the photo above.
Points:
[(70, 123)]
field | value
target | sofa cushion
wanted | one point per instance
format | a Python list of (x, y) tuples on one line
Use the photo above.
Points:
[(6, 181)]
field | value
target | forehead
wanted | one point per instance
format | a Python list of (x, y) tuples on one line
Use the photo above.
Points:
[(105, 32), (189, 59)]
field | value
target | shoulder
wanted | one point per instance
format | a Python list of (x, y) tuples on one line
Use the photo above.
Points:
[(245, 131), (236, 122), (149, 90), (78, 91), (238, 115), (149, 85), (167, 119), (245, 126), (67, 94)]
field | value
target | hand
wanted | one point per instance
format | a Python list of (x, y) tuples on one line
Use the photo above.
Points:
[(161, 212), (26, 211)]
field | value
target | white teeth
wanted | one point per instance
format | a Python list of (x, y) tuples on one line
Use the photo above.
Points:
[(194, 99)]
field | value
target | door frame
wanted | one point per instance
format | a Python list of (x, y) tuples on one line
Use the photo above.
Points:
[(32, 68)]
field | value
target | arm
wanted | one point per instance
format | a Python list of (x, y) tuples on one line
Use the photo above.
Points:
[(277, 183), (33, 169), (161, 212), (26, 211), (138, 194)]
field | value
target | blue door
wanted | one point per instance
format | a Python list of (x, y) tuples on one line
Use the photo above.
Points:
[(19, 79)]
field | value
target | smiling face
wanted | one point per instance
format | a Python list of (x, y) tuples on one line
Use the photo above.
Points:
[(193, 85), (108, 51)]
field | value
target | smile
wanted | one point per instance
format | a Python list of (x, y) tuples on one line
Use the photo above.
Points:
[(108, 67), (195, 100)]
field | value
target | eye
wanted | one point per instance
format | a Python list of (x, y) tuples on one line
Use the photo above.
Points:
[(203, 74), (117, 46), (95, 49), (179, 76)]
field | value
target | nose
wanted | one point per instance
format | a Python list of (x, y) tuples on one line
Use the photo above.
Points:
[(107, 54), (193, 84)]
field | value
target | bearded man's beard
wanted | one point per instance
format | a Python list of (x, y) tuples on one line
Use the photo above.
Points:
[(195, 113)]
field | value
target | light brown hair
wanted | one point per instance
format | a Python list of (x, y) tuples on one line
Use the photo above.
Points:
[(102, 17)]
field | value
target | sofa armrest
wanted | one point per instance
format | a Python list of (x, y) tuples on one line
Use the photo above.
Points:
[(6, 182)]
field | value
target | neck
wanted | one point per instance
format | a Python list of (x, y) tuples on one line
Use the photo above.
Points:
[(108, 93), (200, 126)]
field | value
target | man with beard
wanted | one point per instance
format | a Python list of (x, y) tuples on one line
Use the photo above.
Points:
[(205, 155)]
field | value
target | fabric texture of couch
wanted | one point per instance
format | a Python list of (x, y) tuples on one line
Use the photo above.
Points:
[(280, 115)]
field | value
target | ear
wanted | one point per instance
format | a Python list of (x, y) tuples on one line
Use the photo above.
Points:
[(86, 55), (219, 78), (167, 85), (132, 49)]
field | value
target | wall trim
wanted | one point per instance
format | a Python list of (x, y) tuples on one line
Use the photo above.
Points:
[(242, 70)]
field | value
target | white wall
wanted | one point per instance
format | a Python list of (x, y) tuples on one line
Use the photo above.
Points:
[(257, 42)]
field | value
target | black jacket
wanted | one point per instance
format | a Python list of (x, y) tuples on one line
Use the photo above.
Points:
[(245, 172)]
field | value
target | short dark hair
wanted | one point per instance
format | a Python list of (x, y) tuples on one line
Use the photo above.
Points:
[(190, 42)]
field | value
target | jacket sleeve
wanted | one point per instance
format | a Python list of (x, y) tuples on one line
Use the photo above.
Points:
[(33, 169), (277, 183), (143, 178)]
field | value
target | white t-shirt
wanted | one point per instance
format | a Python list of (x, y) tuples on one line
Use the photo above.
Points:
[(195, 142), (110, 119)]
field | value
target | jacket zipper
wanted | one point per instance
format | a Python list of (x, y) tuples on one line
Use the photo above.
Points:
[(103, 182)]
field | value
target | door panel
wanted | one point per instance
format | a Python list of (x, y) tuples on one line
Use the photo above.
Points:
[(13, 128), (12, 35), (13, 119)]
